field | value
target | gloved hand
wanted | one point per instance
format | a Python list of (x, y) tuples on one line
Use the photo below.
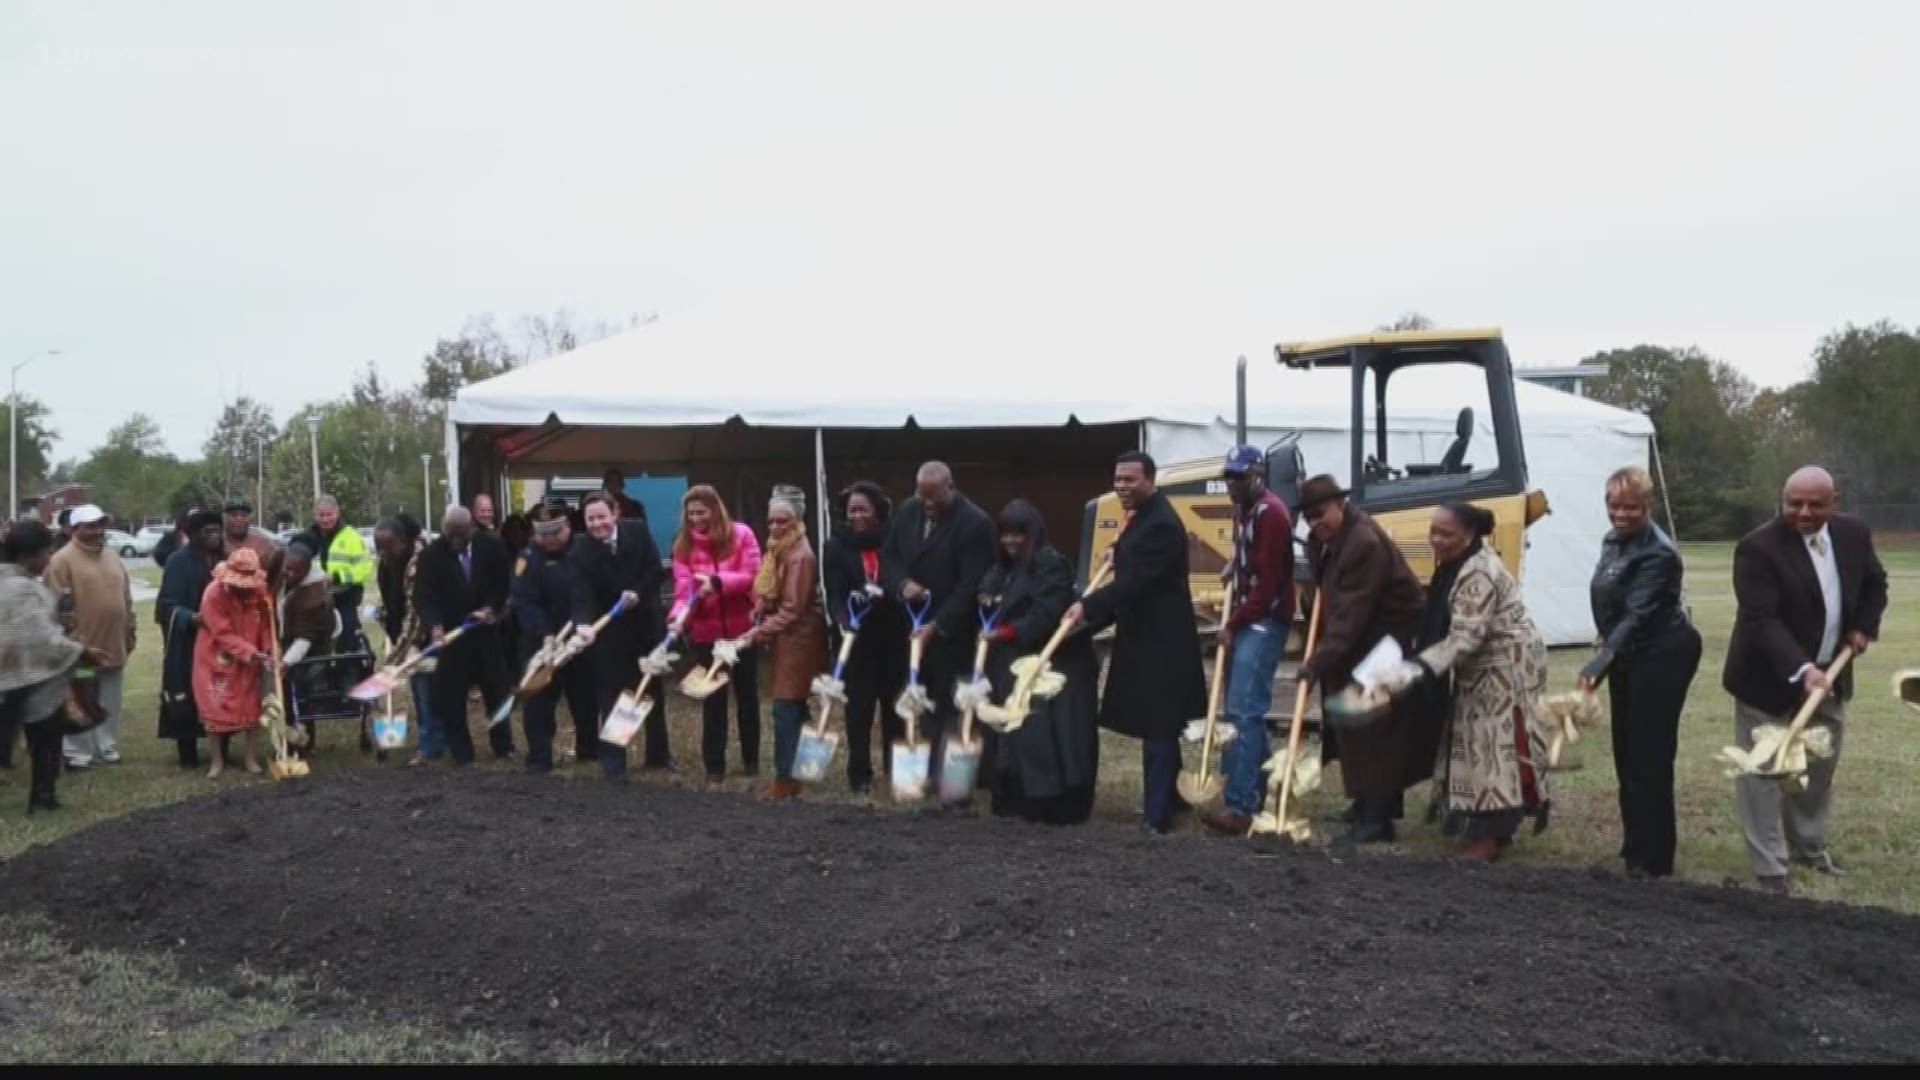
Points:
[(659, 662), (873, 590), (971, 694)]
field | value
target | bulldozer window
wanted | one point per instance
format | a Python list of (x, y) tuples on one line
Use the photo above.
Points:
[(1431, 435)]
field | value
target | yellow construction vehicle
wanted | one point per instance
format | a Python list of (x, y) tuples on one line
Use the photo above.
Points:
[(1400, 497)]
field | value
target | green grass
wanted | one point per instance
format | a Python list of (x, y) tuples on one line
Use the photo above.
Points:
[(1876, 813)]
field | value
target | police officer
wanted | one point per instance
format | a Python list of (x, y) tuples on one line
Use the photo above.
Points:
[(542, 603)]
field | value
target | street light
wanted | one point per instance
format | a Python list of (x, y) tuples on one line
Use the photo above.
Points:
[(313, 440), (426, 490), (260, 500), (13, 431)]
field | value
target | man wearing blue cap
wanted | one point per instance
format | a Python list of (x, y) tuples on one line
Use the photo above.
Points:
[(1255, 633)]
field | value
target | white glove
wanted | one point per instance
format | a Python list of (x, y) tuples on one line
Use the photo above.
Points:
[(727, 652), (658, 663), (873, 591), (971, 694), (1401, 676)]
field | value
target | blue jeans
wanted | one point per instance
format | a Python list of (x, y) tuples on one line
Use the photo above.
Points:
[(1160, 766), (1256, 653), (788, 718), (433, 741)]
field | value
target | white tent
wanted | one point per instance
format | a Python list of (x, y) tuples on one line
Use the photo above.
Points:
[(1051, 404)]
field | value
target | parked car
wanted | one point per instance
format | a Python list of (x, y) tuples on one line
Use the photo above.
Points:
[(149, 538), (126, 545)]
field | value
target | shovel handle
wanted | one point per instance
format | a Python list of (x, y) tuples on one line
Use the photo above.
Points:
[(915, 652), (1213, 709), (979, 665), (846, 650), (1808, 708), (1100, 576), (1299, 714)]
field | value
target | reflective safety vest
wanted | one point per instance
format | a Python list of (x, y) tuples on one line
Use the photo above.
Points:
[(347, 560)]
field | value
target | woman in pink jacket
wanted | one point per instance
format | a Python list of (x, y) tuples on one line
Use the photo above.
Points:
[(714, 562)]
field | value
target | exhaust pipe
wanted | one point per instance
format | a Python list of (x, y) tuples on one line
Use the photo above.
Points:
[(1240, 403)]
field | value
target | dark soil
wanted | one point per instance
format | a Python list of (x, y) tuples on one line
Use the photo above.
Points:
[(659, 924)]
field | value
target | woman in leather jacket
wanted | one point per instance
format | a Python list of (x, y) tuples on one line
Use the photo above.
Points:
[(1649, 651)]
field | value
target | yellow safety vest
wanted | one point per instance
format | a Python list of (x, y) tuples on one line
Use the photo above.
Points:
[(348, 562)]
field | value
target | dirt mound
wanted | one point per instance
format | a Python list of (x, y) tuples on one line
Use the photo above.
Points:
[(658, 924)]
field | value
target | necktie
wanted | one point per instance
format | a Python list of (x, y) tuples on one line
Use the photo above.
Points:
[(466, 565), (1818, 543)]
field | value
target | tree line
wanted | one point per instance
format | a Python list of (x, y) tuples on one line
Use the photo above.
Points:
[(370, 440), (1725, 445)]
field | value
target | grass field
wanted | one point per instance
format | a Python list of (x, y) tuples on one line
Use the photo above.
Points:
[(1876, 815)]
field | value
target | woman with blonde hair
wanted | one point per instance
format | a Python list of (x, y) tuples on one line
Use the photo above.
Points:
[(715, 560), (1649, 651)]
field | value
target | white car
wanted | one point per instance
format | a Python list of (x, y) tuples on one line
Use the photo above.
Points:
[(126, 545), (149, 538)]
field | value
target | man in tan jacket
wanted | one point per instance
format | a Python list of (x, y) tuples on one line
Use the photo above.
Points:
[(89, 581)]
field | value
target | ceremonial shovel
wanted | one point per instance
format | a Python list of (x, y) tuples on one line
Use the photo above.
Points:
[(817, 744), (630, 709), (1285, 770), (557, 650), (1782, 754), (382, 682), (1201, 788), (960, 763), (702, 683), (273, 712), (1567, 712), (911, 757), (1034, 676)]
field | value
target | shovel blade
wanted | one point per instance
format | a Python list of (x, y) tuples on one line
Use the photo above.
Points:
[(623, 723), (910, 767), (814, 754), (372, 688), (390, 731), (1198, 791), (959, 767)]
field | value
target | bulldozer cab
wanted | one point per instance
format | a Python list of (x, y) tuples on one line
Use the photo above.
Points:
[(1397, 381)]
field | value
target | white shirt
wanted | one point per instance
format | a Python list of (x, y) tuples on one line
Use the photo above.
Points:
[(1827, 566)]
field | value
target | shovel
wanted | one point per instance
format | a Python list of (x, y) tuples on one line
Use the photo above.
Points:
[(832, 686), (1285, 770), (273, 712), (1034, 675), (382, 682), (913, 702), (1782, 755), (702, 683), (390, 728), (1201, 788), (632, 707), (1567, 712), (558, 650), (960, 764)]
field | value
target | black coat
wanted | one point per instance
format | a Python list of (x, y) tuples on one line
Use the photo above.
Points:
[(391, 575), (949, 563), (1058, 747), (1635, 595), (542, 592), (880, 655), (602, 574), (1156, 680), (444, 595), (1782, 615)]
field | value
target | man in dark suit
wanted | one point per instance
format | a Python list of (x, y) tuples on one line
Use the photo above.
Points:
[(542, 603), (1807, 583), (621, 560), (939, 542), (465, 573), (1156, 681)]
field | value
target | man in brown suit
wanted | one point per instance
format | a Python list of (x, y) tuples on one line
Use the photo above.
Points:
[(1367, 592), (1807, 583)]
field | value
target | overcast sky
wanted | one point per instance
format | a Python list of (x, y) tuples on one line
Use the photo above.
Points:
[(200, 199)]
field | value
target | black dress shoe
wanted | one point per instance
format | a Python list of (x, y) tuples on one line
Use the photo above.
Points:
[(1150, 829), (1367, 832)]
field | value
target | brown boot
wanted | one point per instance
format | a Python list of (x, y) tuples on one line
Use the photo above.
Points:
[(1226, 822), (1485, 851), (780, 791)]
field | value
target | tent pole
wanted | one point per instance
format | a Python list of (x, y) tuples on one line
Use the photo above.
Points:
[(453, 467), (820, 515), (1661, 475)]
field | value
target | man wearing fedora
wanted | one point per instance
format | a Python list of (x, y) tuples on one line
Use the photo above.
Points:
[(1254, 632), (1806, 584), (1367, 592)]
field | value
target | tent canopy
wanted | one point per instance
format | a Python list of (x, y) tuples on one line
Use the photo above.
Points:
[(738, 402)]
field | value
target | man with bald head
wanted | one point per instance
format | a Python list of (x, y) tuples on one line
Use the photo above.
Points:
[(464, 574), (940, 544), (1808, 584)]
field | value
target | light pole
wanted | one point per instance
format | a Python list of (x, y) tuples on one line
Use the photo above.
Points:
[(313, 441), (12, 433), (426, 490), (260, 500)]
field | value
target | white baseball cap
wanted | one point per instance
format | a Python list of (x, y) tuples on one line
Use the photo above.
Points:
[(86, 514)]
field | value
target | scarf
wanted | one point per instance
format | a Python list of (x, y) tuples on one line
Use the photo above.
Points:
[(1437, 621), (766, 580), (844, 536)]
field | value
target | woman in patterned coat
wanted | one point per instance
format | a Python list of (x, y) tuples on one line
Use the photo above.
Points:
[(1477, 635)]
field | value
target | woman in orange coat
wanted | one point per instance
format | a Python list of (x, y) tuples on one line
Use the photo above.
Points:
[(233, 653)]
